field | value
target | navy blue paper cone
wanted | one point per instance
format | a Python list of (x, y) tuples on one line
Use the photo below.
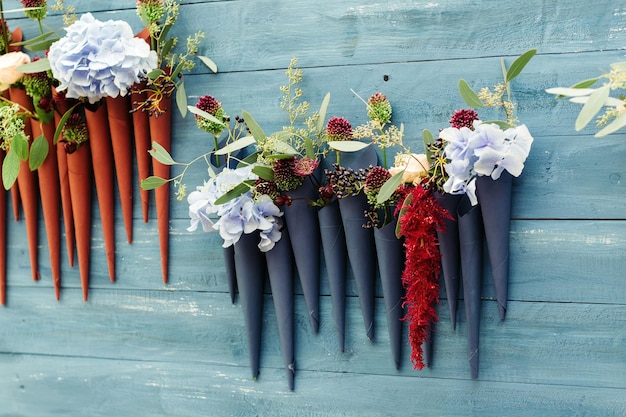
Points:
[(427, 349), (494, 198), (471, 245), (336, 259), (303, 226), (250, 269), (360, 241), (280, 270), (231, 275), (450, 255), (362, 255), (390, 253)]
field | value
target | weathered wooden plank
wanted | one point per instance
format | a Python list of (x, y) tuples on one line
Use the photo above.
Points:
[(564, 261), (252, 35), (541, 343), (40, 385)]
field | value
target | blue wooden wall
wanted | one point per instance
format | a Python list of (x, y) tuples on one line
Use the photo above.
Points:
[(141, 348)]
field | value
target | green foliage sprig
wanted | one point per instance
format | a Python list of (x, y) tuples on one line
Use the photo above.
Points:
[(611, 110), (500, 94), (159, 18)]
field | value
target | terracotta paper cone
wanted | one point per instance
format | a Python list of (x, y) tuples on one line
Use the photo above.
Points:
[(250, 265), (449, 249), (303, 226), (3, 240), (120, 125), (48, 174), (471, 246), (81, 182), (15, 201), (102, 161), (336, 258), (64, 185), (141, 128), (16, 36), (280, 264), (494, 198), (160, 132), (27, 182), (390, 253)]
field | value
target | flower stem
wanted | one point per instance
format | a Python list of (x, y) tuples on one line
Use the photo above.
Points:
[(217, 158)]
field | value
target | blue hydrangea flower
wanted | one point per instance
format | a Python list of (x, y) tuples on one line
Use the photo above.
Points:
[(485, 151), (237, 216), (98, 59)]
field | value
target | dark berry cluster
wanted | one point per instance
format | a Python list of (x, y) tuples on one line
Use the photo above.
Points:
[(157, 90), (345, 181)]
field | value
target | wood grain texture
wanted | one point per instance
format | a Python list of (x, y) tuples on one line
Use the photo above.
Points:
[(139, 347), (100, 388), (553, 343)]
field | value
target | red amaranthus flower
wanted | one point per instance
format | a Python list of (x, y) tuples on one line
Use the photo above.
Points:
[(421, 217)]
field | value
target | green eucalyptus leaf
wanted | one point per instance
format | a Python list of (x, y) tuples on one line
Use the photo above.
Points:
[(10, 169), (177, 70), (265, 173), (610, 101), (279, 156), (41, 46), (405, 207), (586, 83), (468, 95), (347, 145), (615, 125), (159, 153), (167, 46), (238, 190), (62, 122), (250, 159), (389, 187), (284, 147), (570, 91), (38, 152), (592, 106), (181, 99), (254, 127), (36, 39), (154, 74), (322, 112), (308, 146), (40, 65), (152, 182), (208, 62), (518, 65), (427, 139), (236, 145), (204, 115), (20, 145), (164, 32), (500, 123)]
